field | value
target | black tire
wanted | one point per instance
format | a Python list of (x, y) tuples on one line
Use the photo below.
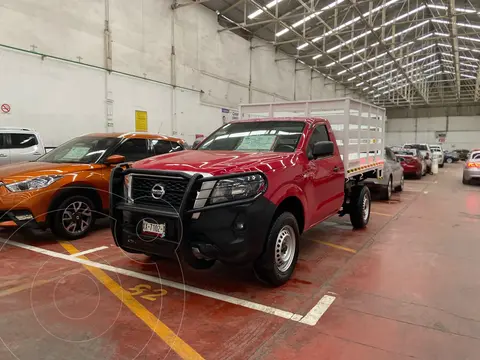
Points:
[(386, 191), (440, 165), (269, 267), (399, 188), (449, 160), (60, 225), (465, 181), (357, 215), (419, 175)]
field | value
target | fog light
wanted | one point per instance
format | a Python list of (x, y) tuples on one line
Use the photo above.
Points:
[(24, 217), (239, 226)]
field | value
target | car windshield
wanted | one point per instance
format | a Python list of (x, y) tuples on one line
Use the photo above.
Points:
[(82, 150), (417, 146), (412, 152), (255, 136)]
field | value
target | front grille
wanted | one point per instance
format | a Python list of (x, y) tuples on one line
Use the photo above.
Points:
[(174, 190)]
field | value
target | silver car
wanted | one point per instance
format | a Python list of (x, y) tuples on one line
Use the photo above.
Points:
[(393, 178), (19, 144), (471, 171)]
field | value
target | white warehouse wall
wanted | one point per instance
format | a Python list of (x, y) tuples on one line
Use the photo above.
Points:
[(462, 132), (174, 64)]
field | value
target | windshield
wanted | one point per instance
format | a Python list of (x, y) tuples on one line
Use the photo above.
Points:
[(416, 146), (277, 136), (412, 152), (82, 150)]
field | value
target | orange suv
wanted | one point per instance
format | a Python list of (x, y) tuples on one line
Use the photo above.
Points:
[(67, 189)]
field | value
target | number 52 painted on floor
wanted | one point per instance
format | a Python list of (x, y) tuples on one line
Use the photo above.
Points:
[(151, 295)]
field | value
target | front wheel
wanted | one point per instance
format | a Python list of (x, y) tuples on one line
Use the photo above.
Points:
[(74, 218), (277, 263), (400, 186), (360, 207), (387, 191), (449, 160)]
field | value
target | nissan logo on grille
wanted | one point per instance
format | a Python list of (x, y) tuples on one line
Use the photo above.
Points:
[(158, 191)]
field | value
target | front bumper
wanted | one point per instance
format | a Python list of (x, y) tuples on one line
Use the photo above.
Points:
[(233, 232), (25, 209)]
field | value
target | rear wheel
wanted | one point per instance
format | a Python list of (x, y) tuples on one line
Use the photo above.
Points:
[(276, 265), (419, 174), (360, 207), (465, 181), (74, 218)]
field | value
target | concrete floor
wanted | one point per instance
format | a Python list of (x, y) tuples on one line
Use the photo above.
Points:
[(407, 287)]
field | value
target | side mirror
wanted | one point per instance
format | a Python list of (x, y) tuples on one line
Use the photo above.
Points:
[(115, 159), (323, 148)]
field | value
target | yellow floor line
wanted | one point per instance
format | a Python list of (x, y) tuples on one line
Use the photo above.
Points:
[(378, 213), (336, 246), (166, 334), (34, 283)]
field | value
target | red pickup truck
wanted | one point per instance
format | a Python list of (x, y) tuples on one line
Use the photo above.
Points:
[(245, 195)]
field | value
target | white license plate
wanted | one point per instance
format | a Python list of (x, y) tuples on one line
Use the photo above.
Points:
[(154, 228)]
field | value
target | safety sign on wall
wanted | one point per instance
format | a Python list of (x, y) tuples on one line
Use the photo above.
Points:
[(141, 121), (5, 108)]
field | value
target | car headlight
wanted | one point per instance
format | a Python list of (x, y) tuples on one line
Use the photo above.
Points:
[(238, 188), (33, 184)]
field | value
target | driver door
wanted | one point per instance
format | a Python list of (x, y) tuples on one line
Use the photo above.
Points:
[(325, 179)]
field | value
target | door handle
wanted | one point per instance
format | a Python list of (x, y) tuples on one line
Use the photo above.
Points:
[(335, 169), (3, 155), (37, 153)]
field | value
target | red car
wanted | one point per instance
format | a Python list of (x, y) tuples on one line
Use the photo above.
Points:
[(412, 162), (243, 196)]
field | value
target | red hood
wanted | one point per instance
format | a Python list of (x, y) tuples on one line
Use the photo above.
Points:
[(217, 162)]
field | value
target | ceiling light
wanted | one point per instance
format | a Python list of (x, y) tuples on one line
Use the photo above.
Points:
[(298, 23), (302, 46), (437, 6), (469, 38), (465, 10), (342, 72), (468, 58), (470, 65), (425, 36), (441, 34), (360, 84), (317, 56), (433, 68), (353, 77), (258, 12)]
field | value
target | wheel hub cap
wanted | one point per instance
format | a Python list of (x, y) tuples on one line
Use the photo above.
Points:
[(285, 247)]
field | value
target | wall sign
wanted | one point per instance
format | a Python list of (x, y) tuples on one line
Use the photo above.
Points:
[(5, 108), (141, 121)]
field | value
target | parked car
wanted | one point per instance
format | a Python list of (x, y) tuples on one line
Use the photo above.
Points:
[(471, 171), (392, 180), (244, 196), (438, 154), (19, 144), (425, 151), (462, 154), (412, 162), (451, 157), (67, 188)]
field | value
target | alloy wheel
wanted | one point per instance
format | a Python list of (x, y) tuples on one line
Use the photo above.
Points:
[(77, 217)]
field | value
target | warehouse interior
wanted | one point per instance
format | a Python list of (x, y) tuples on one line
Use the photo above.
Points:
[(177, 71)]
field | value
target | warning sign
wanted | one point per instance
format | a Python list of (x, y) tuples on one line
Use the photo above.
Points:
[(5, 108), (141, 121)]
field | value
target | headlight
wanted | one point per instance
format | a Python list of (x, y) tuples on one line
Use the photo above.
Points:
[(238, 188), (127, 188), (33, 184)]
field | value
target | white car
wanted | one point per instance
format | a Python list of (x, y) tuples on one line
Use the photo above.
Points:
[(19, 144), (438, 154)]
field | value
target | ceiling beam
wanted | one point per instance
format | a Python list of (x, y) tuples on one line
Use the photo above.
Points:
[(454, 41)]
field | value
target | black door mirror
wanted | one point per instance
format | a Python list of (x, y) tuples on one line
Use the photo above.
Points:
[(323, 148)]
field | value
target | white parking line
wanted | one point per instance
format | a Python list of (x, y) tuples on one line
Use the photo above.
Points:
[(311, 318), (90, 251), (318, 310)]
